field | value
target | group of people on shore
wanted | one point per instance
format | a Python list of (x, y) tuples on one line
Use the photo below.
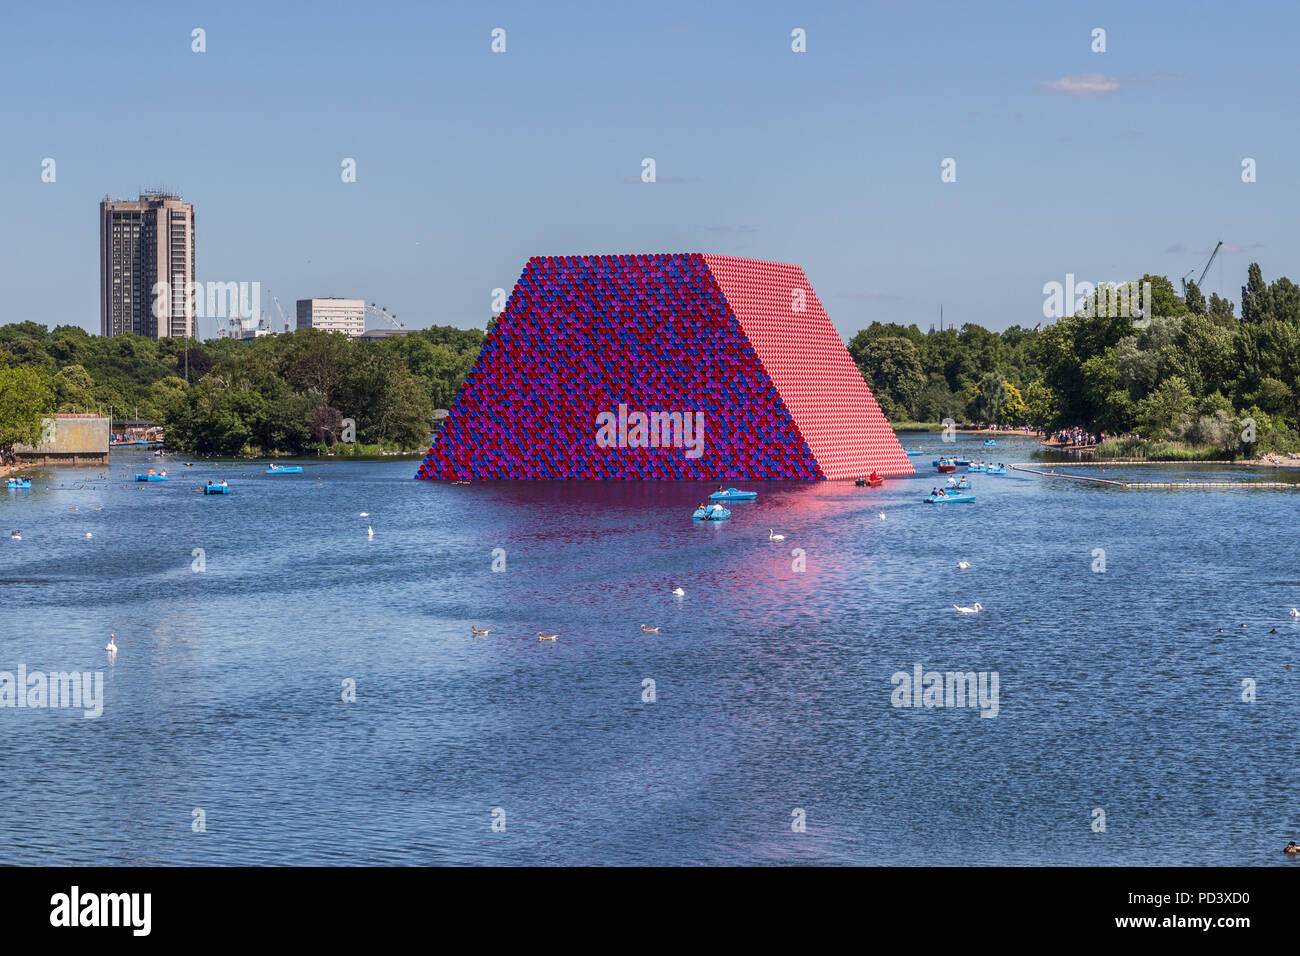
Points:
[(1072, 437)]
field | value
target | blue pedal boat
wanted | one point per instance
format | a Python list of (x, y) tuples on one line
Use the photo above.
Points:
[(947, 499), (151, 478), (216, 489), (733, 494), (284, 470), (711, 513), (20, 483)]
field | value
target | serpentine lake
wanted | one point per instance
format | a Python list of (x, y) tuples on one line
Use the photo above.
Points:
[(291, 690)]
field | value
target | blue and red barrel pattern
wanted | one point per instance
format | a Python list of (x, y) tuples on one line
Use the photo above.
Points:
[(742, 343)]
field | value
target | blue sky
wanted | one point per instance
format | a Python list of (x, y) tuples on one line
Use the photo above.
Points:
[(469, 162)]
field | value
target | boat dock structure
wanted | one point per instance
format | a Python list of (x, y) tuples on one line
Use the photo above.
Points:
[(68, 440), (1186, 483)]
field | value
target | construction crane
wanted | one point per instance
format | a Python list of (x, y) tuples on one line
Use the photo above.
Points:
[(280, 309), (1203, 271), (385, 315)]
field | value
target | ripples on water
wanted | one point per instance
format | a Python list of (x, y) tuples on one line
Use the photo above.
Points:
[(773, 686)]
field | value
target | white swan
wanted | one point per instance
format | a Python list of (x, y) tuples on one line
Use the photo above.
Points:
[(882, 516), (370, 532), (679, 592), (969, 610), (365, 514), (963, 564), (1295, 613), (111, 646), (89, 535), (773, 536)]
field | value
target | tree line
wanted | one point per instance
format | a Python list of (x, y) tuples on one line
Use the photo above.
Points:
[(281, 394), (1192, 373)]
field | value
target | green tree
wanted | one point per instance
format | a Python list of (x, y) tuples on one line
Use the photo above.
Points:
[(892, 369), (1195, 299), (1254, 295), (26, 397)]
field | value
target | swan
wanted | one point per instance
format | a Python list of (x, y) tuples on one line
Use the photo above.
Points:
[(370, 532), (479, 630), (546, 637), (1295, 613), (650, 630), (772, 536), (89, 535), (111, 646), (679, 592), (963, 564), (969, 610), (365, 514), (882, 516)]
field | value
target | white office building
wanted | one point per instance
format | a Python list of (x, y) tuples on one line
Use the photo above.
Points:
[(333, 315)]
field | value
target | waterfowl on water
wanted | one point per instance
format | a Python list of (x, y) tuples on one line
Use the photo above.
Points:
[(480, 631), (963, 565), (649, 630), (546, 637), (969, 610), (111, 646), (679, 592), (773, 536), (882, 516), (370, 532), (16, 535), (1295, 613)]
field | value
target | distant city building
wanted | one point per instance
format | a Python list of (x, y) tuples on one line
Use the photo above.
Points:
[(377, 335), (143, 242), (333, 315)]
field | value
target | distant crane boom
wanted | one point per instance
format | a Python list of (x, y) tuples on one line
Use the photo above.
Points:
[(1204, 271)]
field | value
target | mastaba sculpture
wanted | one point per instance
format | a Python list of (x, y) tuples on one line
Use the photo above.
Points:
[(669, 366)]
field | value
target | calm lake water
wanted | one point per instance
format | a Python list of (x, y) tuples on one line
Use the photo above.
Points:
[(772, 686)]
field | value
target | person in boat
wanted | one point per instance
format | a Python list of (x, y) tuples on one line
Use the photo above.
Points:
[(874, 477), (223, 483), (209, 484), (934, 492)]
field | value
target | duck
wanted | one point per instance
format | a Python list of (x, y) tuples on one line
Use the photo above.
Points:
[(546, 637), (969, 610), (773, 536), (679, 592), (479, 631), (963, 565), (649, 630)]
